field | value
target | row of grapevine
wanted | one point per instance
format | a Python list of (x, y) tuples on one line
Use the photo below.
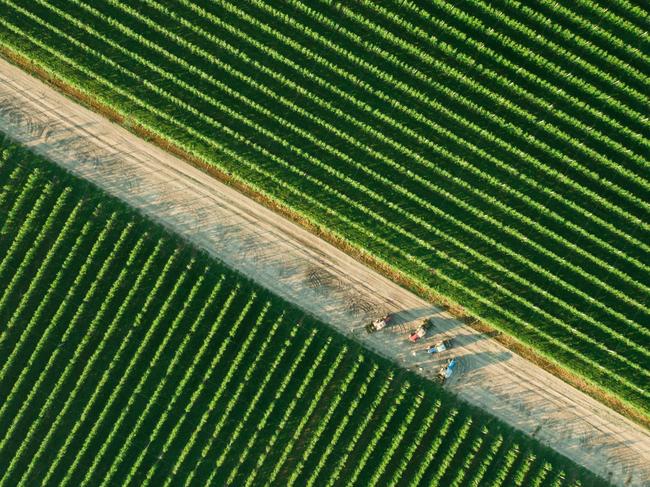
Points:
[(25, 229), (40, 380), (469, 64), (400, 64), (477, 478), (452, 449), (215, 396), (8, 191), (63, 235), (595, 75), (505, 65), (473, 171), (433, 448), (28, 330), (204, 348), (288, 411), (341, 426), (65, 303), (505, 465), (70, 434), (21, 202), (416, 443), (32, 253), (151, 364), (381, 429), (187, 66), (327, 417), (469, 459), (284, 81), (320, 38), (360, 430), (164, 314), (89, 367), (269, 409), (130, 369), (67, 373), (561, 88), (599, 36), (398, 438), (261, 388), (170, 331), (307, 415), (209, 413)]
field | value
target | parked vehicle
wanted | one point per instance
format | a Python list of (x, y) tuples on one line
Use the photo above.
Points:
[(440, 346), (447, 370), (421, 331), (379, 323)]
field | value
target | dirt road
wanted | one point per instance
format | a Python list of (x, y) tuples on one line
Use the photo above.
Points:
[(321, 279)]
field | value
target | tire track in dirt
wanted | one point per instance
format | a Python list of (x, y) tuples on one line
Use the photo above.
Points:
[(324, 281)]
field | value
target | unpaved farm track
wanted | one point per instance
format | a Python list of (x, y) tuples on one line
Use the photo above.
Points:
[(324, 281)]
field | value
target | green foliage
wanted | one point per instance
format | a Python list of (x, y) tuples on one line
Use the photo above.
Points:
[(126, 356), (499, 145)]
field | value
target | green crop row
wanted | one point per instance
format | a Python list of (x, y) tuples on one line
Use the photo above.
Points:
[(497, 160), (145, 362)]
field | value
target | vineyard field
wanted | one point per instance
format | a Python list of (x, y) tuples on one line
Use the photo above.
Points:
[(129, 358), (495, 152)]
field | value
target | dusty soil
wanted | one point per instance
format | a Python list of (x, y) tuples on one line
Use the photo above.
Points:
[(321, 279)]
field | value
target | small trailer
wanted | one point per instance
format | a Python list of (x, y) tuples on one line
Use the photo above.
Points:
[(379, 323), (445, 372), (440, 346), (421, 331)]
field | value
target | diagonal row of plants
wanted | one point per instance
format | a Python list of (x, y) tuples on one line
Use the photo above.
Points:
[(126, 357), (459, 152)]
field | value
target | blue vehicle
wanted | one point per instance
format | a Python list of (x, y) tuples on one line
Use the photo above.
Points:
[(445, 372), (440, 346)]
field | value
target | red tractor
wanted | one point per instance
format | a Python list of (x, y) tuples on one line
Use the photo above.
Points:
[(421, 331)]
